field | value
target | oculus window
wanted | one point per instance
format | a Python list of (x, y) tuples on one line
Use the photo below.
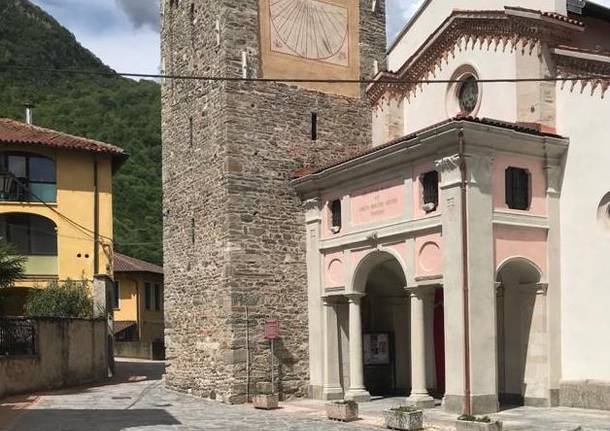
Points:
[(518, 195), (468, 95)]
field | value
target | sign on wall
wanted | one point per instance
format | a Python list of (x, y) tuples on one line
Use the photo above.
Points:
[(272, 329)]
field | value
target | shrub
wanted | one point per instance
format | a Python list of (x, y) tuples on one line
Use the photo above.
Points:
[(70, 299), (12, 266)]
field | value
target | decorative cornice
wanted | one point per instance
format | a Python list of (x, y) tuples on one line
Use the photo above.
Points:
[(595, 72), (505, 29)]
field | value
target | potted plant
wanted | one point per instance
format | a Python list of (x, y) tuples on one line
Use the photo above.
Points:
[(406, 418), (344, 411), (266, 400), (474, 423)]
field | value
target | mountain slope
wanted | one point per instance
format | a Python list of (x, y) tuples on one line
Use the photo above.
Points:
[(116, 110)]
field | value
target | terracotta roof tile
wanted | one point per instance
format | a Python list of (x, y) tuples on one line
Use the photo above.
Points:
[(124, 263), (15, 132), (122, 325), (531, 128)]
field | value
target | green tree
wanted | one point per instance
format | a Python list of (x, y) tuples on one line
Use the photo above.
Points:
[(12, 265), (68, 299)]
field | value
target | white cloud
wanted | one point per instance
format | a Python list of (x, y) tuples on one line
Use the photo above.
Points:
[(127, 51), (398, 13)]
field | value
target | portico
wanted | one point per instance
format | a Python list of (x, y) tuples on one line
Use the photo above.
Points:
[(386, 264)]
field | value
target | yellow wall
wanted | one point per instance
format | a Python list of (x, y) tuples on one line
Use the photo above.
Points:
[(75, 200), (131, 285)]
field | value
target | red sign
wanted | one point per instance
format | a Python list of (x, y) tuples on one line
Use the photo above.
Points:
[(272, 329)]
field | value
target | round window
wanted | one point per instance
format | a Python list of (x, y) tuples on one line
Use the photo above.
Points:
[(468, 95)]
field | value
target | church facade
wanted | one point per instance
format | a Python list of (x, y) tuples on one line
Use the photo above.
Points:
[(439, 240)]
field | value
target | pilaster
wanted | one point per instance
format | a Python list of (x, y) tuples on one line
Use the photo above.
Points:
[(553, 292), (313, 220)]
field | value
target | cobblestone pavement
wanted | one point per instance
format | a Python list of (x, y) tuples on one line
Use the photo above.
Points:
[(136, 401)]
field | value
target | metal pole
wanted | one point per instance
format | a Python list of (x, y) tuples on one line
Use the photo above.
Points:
[(272, 367)]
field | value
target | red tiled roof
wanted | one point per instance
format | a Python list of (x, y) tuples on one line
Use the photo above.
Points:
[(119, 326), (530, 128), (124, 263), (15, 132)]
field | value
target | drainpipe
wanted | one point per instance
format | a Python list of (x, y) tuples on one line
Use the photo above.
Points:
[(96, 219), (465, 278)]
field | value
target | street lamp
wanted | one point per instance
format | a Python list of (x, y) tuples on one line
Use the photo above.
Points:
[(7, 180)]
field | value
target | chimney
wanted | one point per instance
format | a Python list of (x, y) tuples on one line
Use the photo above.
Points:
[(28, 112)]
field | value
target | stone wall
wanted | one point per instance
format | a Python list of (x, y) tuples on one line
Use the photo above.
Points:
[(69, 352), (234, 229)]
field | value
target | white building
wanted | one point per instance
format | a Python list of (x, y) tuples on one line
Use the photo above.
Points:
[(468, 251)]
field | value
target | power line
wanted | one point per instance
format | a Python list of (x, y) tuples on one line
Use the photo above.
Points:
[(212, 78)]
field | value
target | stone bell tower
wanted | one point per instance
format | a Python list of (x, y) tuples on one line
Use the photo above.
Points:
[(234, 236)]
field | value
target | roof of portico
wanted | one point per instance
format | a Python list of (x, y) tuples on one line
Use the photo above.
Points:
[(413, 139)]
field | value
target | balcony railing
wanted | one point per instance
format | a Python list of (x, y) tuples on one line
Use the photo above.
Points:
[(32, 192)]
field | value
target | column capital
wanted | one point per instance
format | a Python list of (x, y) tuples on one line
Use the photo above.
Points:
[(354, 297), (313, 210), (553, 179), (420, 291), (449, 168)]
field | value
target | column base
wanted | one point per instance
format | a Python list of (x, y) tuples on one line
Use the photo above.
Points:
[(480, 404), (358, 395), (331, 394), (421, 401)]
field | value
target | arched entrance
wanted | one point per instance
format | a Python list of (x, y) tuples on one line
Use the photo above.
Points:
[(385, 325), (521, 314)]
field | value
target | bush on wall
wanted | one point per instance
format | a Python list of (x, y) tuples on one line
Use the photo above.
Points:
[(69, 299)]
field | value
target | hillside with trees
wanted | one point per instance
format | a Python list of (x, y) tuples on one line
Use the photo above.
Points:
[(115, 110)]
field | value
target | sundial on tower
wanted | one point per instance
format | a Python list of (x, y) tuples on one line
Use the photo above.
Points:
[(310, 29)]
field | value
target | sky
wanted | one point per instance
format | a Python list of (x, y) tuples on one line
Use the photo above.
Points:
[(124, 34)]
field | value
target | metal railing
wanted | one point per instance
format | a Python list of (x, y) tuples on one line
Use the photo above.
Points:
[(17, 337)]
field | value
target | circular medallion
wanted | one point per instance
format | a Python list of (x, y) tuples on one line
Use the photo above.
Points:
[(310, 29)]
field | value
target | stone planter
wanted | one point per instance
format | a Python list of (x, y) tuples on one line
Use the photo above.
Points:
[(265, 402), (404, 419), (344, 411), (478, 426)]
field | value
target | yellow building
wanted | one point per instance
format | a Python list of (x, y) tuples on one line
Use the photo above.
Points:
[(55, 205), (138, 308)]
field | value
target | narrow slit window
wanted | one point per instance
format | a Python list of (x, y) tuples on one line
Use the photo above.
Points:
[(335, 213), (518, 194), (314, 126), (191, 131), (430, 189)]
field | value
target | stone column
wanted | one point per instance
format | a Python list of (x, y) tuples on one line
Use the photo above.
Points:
[(419, 392), (332, 389), (357, 391)]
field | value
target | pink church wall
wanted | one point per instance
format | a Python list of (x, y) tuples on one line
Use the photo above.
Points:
[(428, 255), (418, 192), (334, 270), (530, 243), (380, 202), (538, 182)]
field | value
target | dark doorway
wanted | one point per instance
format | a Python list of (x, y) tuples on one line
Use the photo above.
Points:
[(386, 338)]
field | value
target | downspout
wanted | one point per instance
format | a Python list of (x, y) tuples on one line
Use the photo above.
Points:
[(96, 220), (465, 278)]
